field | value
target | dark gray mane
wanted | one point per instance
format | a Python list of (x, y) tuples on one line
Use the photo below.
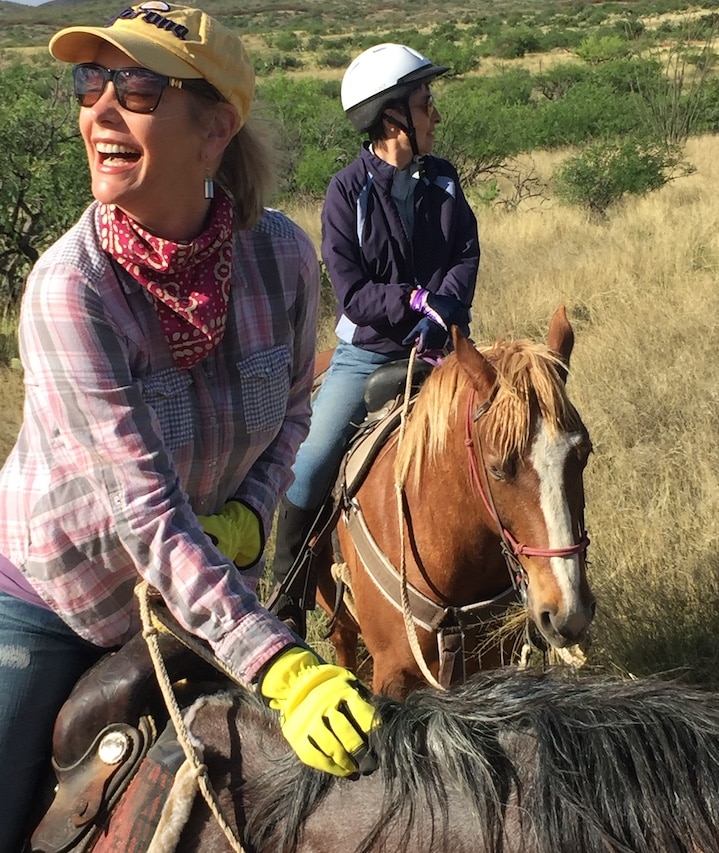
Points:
[(534, 762)]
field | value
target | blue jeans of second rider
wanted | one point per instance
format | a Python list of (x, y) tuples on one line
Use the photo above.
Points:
[(337, 411)]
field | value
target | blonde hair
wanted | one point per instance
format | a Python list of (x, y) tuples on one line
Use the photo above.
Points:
[(248, 173), (248, 167), (528, 374)]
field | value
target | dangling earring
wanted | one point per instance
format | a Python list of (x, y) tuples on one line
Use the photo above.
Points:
[(209, 187)]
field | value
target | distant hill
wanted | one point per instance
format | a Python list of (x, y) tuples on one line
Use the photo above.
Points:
[(22, 25), (28, 25)]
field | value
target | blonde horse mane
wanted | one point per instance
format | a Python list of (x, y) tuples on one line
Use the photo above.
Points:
[(529, 375)]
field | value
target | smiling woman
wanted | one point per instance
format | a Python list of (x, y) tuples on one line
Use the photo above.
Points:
[(168, 343), (133, 116), (129, 159)]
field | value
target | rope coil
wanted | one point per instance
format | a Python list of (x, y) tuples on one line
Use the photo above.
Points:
[(199, 769)]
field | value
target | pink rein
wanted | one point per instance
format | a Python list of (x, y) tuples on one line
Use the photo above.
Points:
[(518, 549)]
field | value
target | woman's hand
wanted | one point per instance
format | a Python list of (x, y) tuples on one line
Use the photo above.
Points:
[(430, 338), (237, 532), (325, 712), (446, 311)]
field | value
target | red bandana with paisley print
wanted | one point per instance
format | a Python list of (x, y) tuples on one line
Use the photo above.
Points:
[(189, 282)]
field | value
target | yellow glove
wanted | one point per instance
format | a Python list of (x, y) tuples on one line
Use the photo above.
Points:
[(324, 711), (236, 531)]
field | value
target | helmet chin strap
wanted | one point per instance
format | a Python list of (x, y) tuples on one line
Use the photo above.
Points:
[(408, 128)]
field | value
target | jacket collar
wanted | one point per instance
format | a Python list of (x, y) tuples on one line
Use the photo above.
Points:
[(383, 171)]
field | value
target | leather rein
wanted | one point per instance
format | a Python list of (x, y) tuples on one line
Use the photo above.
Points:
[(512, 548)]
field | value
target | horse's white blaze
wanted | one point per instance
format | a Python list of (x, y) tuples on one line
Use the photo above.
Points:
[(548, 457)]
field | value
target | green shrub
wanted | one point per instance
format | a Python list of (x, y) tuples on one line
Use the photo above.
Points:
[(287, 42), (561, 38), (460, 57), (513, 43), (595, 49), (44, 182), (588, 111), (478, 131), (276, 62), (605, 172), (556, 83), (314, 169), (510, 86), (334, 59), (314, 135)]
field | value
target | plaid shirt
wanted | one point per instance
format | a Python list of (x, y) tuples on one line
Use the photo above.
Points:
[(119, 449)]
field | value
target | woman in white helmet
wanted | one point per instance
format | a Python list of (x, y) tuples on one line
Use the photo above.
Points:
[(401, 247)]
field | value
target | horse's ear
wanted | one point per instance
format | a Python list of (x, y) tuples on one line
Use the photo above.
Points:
[(473, 363), (561, 335)]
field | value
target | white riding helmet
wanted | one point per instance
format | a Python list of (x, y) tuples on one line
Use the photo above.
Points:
[(378, 75)]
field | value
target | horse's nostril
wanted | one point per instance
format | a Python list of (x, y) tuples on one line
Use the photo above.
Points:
[(545, 621)]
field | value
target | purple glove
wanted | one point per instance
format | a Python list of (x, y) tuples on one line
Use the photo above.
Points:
[(446, 311)]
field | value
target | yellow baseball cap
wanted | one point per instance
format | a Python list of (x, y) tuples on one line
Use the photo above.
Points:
[(178, 41)]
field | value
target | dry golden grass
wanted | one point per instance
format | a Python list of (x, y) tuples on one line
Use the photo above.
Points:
[(642, 293), (11, 401)]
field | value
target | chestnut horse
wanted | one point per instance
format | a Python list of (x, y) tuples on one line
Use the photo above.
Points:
[(476, 502)]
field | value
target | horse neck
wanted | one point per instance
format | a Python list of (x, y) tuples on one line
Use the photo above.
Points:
[(449, 521)]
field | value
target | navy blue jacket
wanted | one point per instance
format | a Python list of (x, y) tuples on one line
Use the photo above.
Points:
[(373, 265)]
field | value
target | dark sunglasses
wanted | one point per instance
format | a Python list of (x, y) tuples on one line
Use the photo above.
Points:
[(137, 89)]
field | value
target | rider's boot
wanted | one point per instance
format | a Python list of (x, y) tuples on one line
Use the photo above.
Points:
[(294, 524)]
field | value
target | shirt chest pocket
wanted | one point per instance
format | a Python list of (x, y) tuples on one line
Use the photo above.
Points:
[(265, 388), (168, 392)]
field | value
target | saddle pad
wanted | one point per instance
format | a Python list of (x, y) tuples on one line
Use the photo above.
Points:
[(369, 440), (136, 818)]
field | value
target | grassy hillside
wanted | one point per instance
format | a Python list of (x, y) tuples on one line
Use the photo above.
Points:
[(327, 20)]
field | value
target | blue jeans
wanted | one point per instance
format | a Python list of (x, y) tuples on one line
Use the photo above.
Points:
[(40, 661), (337, 411)]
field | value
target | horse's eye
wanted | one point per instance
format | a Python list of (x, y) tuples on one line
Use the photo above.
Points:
[(504, 472), (584, 451)]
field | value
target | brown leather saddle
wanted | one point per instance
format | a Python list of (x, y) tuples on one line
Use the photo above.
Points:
[(103, 732)]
